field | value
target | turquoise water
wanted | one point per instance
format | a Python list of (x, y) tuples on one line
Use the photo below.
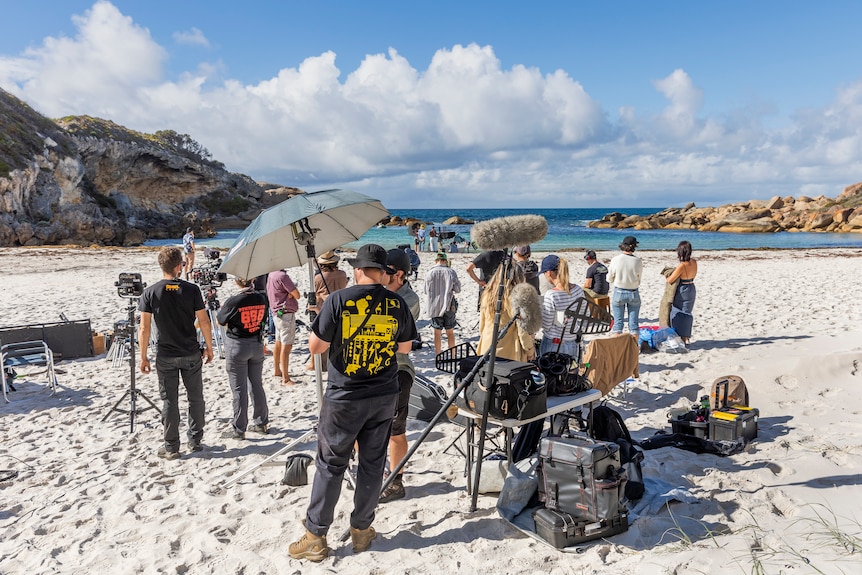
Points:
[(567, 230)]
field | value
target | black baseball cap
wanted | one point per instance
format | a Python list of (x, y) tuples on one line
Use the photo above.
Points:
[(399, 260), (590, 255), (371, 256)]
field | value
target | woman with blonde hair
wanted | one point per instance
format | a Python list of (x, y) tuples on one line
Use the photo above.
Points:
[(556, 329), (517, 345)]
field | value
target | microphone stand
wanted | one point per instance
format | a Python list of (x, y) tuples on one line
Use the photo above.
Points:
[(489, 379)]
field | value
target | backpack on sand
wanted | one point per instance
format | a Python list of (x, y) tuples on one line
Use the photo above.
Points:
[(607, 424), (728, 390)]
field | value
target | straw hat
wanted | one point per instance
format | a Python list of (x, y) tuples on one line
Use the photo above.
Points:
[(328, 258)]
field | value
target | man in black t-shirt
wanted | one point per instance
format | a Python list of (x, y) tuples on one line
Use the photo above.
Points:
[(487, 263), (244, 315), (362, 327), (174, 304), (596, 284)]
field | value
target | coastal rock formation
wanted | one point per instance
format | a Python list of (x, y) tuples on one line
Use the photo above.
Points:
[(802, 214), (82, 180)]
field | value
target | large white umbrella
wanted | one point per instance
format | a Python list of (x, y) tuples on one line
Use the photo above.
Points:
[(287, 235)]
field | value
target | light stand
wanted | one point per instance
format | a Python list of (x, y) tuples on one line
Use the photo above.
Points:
[(133, 392)]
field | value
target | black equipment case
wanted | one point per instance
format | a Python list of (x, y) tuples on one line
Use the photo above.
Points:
[(426, 399), (562, 530), (731, 423), (518, 390), (581, 476)]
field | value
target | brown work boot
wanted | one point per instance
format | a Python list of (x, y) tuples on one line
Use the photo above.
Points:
[(362, 538), (394, 490), (310, 546)]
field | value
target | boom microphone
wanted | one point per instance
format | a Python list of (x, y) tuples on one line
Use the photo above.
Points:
[(525, 300), (504, 233)]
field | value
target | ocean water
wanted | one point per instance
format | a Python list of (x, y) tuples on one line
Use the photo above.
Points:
[(567, 230)]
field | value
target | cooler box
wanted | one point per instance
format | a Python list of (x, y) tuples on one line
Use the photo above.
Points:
[(731, 423), (562, 530)]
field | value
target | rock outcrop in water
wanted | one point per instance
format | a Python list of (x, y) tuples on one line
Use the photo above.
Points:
[(82, 180), (802, 214)]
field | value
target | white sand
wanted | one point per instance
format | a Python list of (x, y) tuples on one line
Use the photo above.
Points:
[(93, 498)]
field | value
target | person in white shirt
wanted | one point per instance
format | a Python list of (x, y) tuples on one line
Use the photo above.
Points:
[(441, 285), (625, 271), (556, 329)]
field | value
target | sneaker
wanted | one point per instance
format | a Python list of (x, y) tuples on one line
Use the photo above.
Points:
[(262, 428), (362, 538), (393, 491), (169, 455), (311, 547), (195, 445), (232, 434)]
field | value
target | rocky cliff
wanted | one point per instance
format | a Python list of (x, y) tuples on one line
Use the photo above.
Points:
[(802, 214), (82, 180)]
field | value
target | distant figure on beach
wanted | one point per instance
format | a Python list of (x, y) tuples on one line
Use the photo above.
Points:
[(361, 327), (625, 273), (244, 316), (283, 301), (421, 233), (487, 263), (432, 239), (174, 305), (441, 285), (556, 328), (681, 319), (518, 345), (398, 282), (521, 254), (189, 252), (596, 282)]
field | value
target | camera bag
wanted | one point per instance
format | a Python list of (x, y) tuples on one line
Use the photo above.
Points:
[(518, 390), (581, 476)]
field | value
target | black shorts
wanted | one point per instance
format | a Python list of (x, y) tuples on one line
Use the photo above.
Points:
[(445, 321), (399, 422)]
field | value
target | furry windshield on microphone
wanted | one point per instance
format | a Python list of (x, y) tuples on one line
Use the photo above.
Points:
[(525, 299), (504, 233)]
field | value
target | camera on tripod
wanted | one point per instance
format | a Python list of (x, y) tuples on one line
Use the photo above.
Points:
[(208, 275), (130, 285)]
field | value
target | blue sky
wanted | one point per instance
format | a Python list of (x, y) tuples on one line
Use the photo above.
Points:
[(499, 104)]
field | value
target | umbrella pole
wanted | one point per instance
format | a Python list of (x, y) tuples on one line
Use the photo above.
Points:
[(318, 363)]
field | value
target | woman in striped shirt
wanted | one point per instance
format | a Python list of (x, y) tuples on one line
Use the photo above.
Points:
[(556, 328)]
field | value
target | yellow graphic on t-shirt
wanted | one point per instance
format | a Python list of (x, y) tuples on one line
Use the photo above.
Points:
[(373, 348)]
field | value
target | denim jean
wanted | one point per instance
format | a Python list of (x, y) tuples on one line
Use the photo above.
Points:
[(343, 422), (169, 370), (622, 299), (244, 364), (569, 347)]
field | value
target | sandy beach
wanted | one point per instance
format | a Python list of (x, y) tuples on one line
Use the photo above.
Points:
[(91, 497)]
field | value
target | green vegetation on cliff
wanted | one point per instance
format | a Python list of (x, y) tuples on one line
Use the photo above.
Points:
[(22, 134)]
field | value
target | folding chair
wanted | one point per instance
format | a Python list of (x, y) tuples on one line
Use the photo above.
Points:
[(27, 354)]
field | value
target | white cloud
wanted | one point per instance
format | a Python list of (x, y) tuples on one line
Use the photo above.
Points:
[(192, 37), (465, 130)]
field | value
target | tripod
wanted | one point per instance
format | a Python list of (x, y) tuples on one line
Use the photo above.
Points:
[(213, 306), (132, 393)]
